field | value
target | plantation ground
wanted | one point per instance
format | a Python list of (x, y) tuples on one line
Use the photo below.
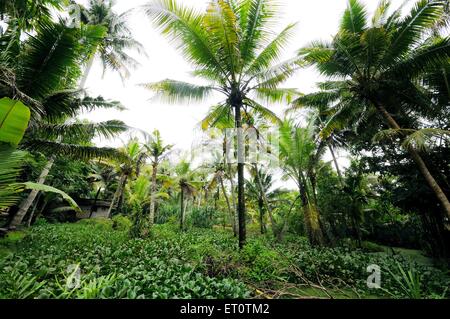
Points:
[(199, 263)]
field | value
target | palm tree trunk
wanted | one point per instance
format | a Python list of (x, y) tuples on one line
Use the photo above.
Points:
[(118, 193), (33, 211), (230, 211), (182, 209), (262, 225), (95, 202), (241, 177), (233, 198), (265, 201), (26, 204), (281, 233), (86, 72), (152, 195), (420, 163), (310, 215), (338, 170)]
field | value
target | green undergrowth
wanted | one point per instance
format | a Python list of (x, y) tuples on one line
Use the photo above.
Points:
[(198, 263)]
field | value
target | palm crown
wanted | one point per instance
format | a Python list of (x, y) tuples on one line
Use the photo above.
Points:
[(232, 47)]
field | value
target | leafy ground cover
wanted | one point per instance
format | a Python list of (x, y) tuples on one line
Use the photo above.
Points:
[(198, 263)]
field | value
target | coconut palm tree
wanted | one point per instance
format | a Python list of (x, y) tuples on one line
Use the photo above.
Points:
[(128, 168), (376, 67), (299, 153), (157, 151), (102, 176), (260, 189), (117, 40), (232, 47)]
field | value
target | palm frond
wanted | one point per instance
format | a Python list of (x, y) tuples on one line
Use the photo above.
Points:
[(72, 150), (271, 52), (262, 111), (74, 131), (176, 91), (184, 26), (354, 18), (218, 116), (423, 16)]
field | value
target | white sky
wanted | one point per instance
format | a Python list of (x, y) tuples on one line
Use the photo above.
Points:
[(317, 19)]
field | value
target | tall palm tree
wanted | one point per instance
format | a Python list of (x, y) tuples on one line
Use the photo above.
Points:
[(128, 167), (299, 153), (260, 189), (376, 68), (102, 177), (157, 151), (185, 179), (232, 47), (118, 38)]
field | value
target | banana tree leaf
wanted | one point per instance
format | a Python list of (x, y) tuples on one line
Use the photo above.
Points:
[(14, 118), (49, 189)]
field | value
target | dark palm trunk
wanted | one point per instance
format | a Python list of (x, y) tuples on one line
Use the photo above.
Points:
[(230, 210), (240, 169), (119, 193), (94, 206), (338, 170), (152, 195), (420, 163), (261, 215)]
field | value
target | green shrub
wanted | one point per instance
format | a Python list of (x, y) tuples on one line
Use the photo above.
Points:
[(98, 223), (203, 217), (167, 212), (262, 263), (121, 223)]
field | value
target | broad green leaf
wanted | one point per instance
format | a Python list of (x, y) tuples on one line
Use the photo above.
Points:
[(14, 118), (49, 189)]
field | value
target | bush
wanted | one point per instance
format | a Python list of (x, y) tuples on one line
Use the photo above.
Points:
[(121, 223), (98, 223), (262, 263), (203, 217), (166, 213)]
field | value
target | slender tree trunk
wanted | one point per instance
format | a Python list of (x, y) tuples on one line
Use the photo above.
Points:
[(33, 211), (241, 177), (311, 215), (86, 73), (26, 204), (230, 211), (262, 225), (152, 195), (182, 208), (118, 193), (199, 201), (95, 202), (233, 199), (338, 170), (281, 233), (420, 163), (265, 201)]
